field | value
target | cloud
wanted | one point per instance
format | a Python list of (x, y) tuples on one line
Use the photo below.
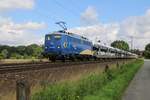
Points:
[(89, 16), (136, 26), (6, 5), (20, 34), (104, 32), (29, 26), (12, 33)]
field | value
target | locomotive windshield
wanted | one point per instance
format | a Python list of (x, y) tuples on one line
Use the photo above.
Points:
[(53, 36), (48, 37), (57, 36)]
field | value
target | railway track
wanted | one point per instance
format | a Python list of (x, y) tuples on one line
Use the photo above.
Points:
[(11, 68)]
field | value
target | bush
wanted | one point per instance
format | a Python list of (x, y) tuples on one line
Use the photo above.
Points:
[(4, 53), (16, 56), (147, 54), (1, 56)]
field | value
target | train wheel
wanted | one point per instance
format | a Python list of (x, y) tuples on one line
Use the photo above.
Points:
[(52, 59), (81, 58), (72, 59), (95, 58), (88, 59), (63, 59)]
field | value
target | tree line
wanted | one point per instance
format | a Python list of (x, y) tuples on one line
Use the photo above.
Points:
[(125, 46), (147, 51), (21, 52), (120, 44)]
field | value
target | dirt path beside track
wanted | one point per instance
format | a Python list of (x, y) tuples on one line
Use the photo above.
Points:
[(139, 88)]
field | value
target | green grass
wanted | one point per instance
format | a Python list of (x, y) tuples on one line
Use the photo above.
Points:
[(103, 86), (114, 89)]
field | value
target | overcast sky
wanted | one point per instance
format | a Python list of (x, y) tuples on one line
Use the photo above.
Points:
[(23, 22)]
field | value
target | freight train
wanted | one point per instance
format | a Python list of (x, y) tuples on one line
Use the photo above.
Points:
[(65, 45)]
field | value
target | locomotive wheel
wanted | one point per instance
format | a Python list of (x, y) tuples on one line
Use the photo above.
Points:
[(88, 59), (72, 58), (63, 59), (52, 59)]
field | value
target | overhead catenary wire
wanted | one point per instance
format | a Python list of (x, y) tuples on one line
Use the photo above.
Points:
[(53, 15), (65, 8), (75, 4), (47, 16)]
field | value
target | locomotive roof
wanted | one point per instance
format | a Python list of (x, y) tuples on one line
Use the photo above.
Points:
[(70, 34)]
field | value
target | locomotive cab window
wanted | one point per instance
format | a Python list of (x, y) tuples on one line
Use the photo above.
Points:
[(57, 37), (48, 37)]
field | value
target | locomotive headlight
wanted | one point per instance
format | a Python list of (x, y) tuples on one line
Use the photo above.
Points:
[(46, 47), (58, 47)]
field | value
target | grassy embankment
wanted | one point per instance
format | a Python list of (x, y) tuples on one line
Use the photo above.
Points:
[(104, 86)]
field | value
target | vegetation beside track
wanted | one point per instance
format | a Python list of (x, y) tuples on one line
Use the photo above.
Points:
[(22, 61), (32, 51), (104, 86)]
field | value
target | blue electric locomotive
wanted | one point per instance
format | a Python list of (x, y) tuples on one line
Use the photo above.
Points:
[(64, 45)]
